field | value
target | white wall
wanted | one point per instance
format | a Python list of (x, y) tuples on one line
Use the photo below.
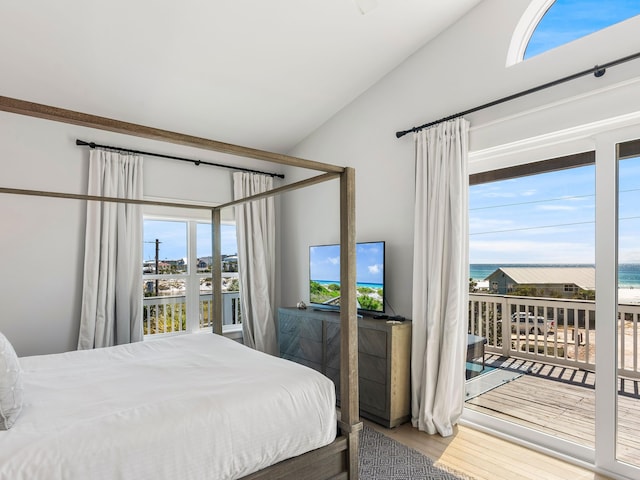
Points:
[(42, 239), (462, 68)]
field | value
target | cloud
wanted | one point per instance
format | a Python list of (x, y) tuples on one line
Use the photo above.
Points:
[(499, 195), (374, 269), (529, 251), (554, 208), (629, 255), (334, 260), (489, 224)]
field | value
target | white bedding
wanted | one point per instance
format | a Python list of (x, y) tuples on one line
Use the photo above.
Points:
[(196, 406)]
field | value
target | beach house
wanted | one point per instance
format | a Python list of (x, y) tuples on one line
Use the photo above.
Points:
[(338, 82), (558, 282)]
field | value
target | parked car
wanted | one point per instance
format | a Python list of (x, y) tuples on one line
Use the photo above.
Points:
[(524, 322)]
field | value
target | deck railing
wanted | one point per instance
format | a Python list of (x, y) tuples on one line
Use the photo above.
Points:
[(166, 314), (558, 331)]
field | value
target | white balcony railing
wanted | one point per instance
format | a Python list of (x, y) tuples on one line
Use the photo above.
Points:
[(166, 314), (560, 331)]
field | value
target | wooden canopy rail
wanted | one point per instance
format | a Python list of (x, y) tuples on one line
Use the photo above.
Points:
[(47, 112), (340, 458)]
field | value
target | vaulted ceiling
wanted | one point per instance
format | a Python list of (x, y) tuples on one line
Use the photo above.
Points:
[(261, 73)]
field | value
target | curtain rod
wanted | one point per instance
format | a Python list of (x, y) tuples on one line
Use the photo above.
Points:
[(598, 71), (82, 143)]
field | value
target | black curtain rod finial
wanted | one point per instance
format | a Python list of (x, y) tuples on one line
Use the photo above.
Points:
[(82, 143)]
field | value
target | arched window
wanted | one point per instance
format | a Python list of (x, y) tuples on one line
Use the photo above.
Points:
[(548, 24)]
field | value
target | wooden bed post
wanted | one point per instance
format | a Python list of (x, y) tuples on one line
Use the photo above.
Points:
[(350, 420), (216, 273), (325, 462)]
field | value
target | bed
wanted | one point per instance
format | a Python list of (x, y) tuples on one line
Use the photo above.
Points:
[(87, 414), (318, 460)]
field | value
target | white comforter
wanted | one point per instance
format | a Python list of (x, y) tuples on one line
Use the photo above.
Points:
[(196, 406)]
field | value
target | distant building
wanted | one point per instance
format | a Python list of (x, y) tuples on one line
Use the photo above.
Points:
[(559, 282), (206, 261), (203, 263), (230, 263)]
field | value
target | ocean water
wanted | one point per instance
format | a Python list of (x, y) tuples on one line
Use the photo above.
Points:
[(628, 273), (358, 284)]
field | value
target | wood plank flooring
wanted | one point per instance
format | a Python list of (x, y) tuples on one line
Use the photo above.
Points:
[(484, 457), (560, 401), (556, 400)]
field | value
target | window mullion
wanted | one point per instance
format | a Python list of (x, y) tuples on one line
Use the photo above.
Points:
[(193, 282)]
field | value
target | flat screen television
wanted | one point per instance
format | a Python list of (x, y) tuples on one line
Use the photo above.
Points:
[(324, 277)]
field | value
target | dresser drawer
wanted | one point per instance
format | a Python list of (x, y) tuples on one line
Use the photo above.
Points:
[(305, 328), (306, 362), (369, 367), (373, 395), (313, 338), (300, 347), (371, 342)]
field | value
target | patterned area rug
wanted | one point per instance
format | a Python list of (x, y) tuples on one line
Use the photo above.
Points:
[(382, 458)]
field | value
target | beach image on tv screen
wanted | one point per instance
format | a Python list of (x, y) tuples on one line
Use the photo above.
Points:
[(324, 275)]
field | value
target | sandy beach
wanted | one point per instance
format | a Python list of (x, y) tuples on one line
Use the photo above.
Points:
[(629, 295)]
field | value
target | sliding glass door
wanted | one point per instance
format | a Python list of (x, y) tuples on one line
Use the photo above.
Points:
[(590, 353), (627, 330), (532, 289)]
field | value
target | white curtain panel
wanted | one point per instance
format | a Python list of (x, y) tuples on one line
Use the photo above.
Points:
[(112, 290), (440, 277), (255, 225)]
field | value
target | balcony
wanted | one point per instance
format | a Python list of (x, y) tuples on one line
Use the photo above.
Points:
[(167, 314), (544, 350)]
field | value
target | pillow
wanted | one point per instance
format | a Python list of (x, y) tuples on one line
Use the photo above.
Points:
[(10, 384)]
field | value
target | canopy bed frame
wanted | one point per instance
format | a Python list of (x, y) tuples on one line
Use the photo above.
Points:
[(339, 459)]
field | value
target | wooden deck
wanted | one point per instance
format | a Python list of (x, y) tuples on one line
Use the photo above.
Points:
[(560, 401)]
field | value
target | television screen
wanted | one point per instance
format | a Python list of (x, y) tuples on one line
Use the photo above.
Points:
[(324, 276)]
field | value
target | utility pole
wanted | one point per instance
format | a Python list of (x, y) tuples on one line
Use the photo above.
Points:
[(157, 257), (157, 242)]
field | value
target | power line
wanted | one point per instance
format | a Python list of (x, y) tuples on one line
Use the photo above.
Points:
[(533, 228), (532, 201), (546, 200), (547, 226)]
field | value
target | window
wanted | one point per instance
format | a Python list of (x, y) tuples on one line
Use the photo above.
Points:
[(536, 223), (568, 20), (547, 24), (177, 276), (538, 213)]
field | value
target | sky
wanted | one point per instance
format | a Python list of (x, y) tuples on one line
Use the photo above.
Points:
[(547, 218), (324, 263), (173, 239), (550, 217), (567, 20)]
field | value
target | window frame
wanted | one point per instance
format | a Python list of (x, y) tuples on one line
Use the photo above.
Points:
[(602, 137), (192, 277), (528, 24)]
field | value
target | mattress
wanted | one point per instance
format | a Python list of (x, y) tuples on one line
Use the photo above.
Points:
[(196, 406)]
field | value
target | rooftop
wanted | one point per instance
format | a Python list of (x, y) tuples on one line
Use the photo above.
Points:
[(584, 277)]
